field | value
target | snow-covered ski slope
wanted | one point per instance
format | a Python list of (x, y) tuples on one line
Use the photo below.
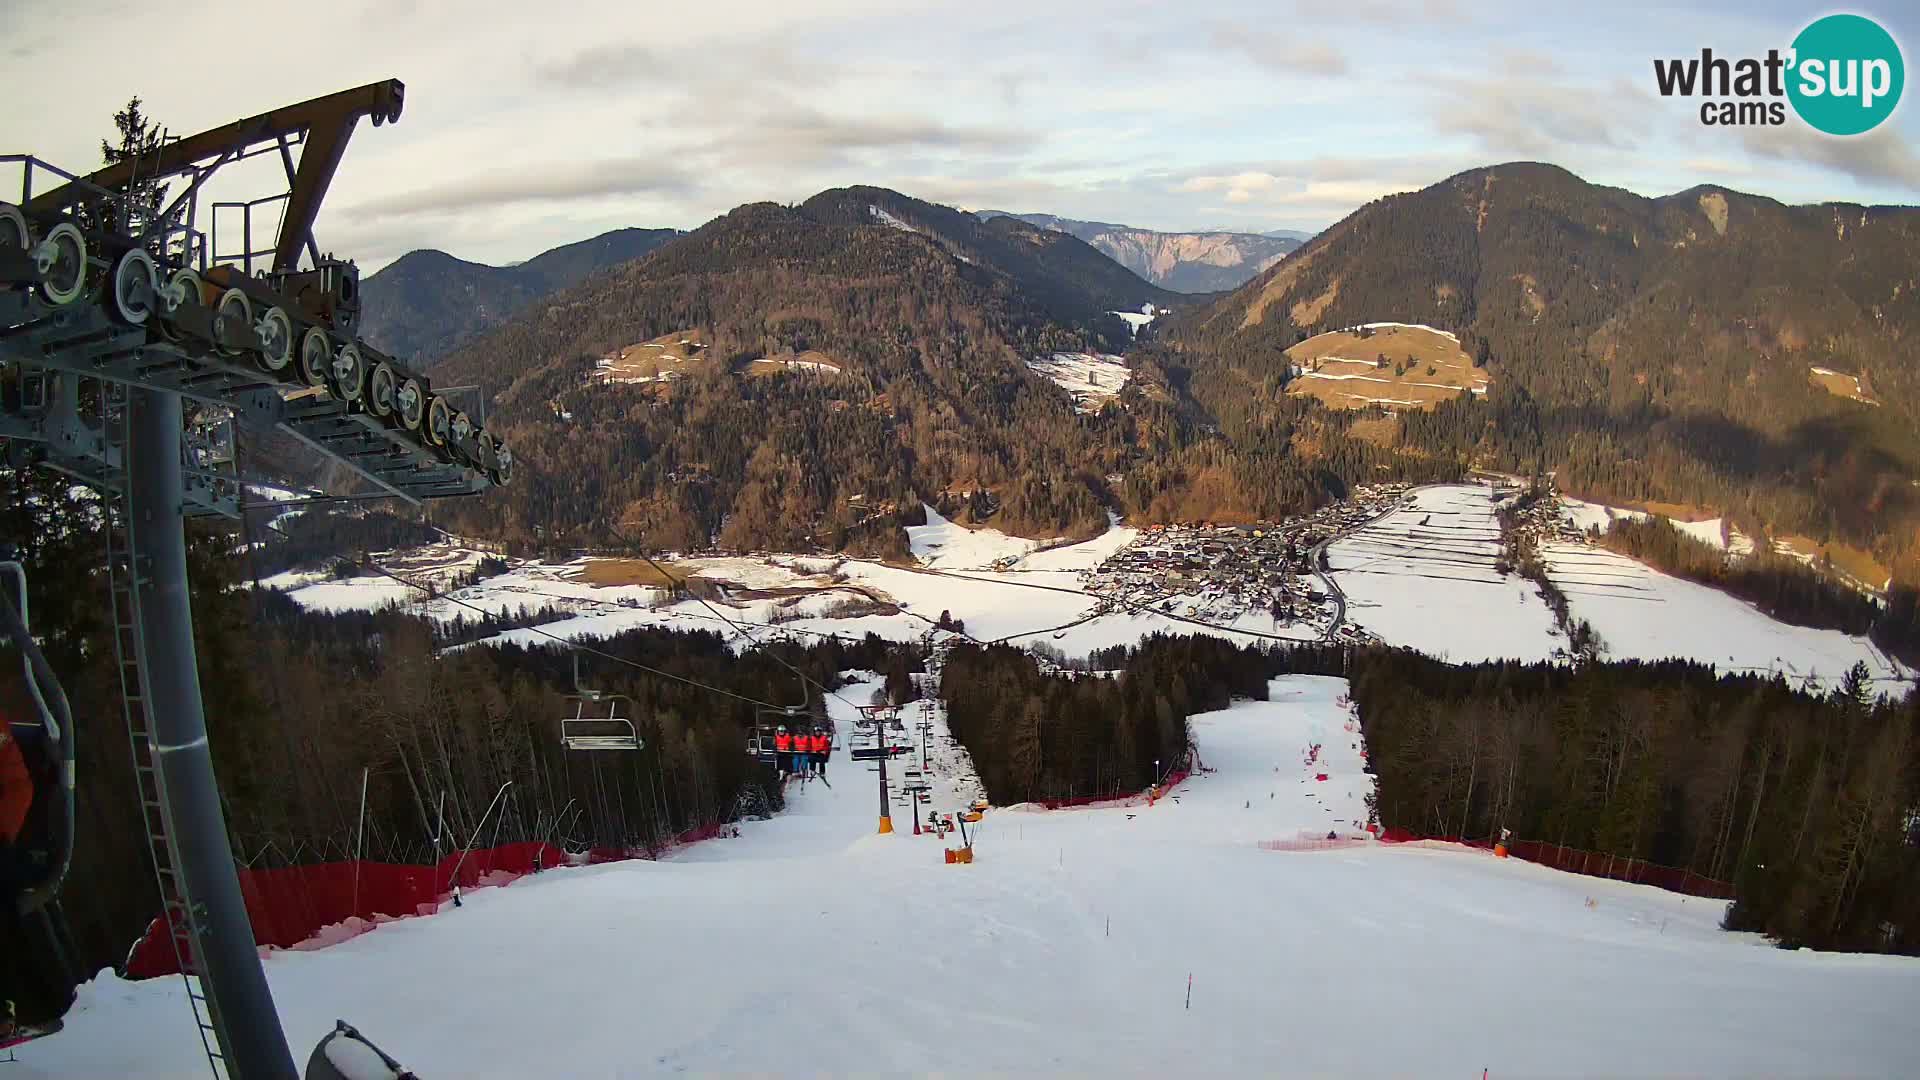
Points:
[(812, 946)]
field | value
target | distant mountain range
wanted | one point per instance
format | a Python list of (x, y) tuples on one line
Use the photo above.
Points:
[(801, 377), (1649, 350), (1189, 262), (425, 303)]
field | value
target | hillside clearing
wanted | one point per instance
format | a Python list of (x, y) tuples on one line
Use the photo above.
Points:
[(661, 359), (1840, 384), (1394, 365)]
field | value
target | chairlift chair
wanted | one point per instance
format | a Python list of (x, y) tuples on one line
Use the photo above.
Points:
[(587, 730), (768, 721), (41, 975)]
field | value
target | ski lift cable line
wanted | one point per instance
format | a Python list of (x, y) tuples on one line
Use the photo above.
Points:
[(566, 642), (681, 583)]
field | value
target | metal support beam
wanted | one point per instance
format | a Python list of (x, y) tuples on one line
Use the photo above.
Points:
[(249, 1028), (382, 99)]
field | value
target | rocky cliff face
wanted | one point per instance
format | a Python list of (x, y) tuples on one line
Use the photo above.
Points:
[(1190, 262)]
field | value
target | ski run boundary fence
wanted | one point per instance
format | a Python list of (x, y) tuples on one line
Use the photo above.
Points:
[(1579, 861), (292, 905)]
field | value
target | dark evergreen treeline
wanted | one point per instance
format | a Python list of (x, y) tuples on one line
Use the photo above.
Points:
[(316, 536), (1777, 584), (1035, 735), (299, 704), (1810, 805)]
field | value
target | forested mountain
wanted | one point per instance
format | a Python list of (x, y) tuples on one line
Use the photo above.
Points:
[(916, 321), (1651, 349), (1213, 260), (427, 302)]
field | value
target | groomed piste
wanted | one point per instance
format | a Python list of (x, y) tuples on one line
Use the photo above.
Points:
[(811, 945)]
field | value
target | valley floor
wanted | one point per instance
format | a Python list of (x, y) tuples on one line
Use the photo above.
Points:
[(811, 945)]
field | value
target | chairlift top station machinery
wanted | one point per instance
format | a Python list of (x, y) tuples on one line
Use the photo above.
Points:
[(112, 313)]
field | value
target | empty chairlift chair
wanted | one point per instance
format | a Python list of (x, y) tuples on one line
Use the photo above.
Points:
[(599, 720)]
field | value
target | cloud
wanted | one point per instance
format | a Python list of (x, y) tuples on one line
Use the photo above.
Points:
[(1880, 156), (1529, 116), (1284, 53), (600, 66), (556, 181), (1383, 12)]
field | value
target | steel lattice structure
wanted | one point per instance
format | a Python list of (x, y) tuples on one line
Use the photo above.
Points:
[(130, 345)]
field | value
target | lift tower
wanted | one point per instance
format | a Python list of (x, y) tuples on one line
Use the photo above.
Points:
[(130, 345)]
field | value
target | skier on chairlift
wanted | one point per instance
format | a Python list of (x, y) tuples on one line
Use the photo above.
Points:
[(16, 796), (783, 752), (822, 748)]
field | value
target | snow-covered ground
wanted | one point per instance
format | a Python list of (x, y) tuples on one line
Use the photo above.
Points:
[(942, 544), (1642, 613), (1587, 515), (1037, 593), (1137, 319), (1091, 378), (1423, 576), (810, 945)]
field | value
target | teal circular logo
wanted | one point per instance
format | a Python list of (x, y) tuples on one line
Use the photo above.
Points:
[(1847, 74)]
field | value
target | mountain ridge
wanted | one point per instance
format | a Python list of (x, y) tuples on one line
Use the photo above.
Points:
[(1198, 261), (427, 302), (1651, 348)]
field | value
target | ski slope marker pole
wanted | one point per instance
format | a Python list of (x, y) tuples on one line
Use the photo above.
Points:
[(1190, 997)]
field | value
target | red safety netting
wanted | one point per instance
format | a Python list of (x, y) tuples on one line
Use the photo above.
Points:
[(291, 905), (1638, 871), (1315, 844), (1589, 863), (1082, 802)]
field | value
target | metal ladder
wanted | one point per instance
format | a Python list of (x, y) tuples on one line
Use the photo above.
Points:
[(185, 929)]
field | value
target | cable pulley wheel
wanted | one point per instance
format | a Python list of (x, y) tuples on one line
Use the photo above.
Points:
[(439, 421), (381, 388), (182, 292), (61, 259), (276, 339), (316, 356), (135, 287), (236, 311), (410, 404), (348, 374), (14, 233), (460, 435), (486, 455)]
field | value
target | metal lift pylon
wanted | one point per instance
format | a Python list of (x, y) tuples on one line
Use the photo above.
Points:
[(141, 316)]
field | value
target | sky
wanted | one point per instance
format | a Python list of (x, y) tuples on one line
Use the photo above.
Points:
[(529, 125)]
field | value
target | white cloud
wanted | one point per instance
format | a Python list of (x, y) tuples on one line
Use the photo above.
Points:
[(533, 125)]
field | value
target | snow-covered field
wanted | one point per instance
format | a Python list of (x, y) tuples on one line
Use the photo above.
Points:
[(1586, 515), (810, 945), (1424, 577), (998, 586), (1642, 613), (1137, 319), (1092, 378)]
